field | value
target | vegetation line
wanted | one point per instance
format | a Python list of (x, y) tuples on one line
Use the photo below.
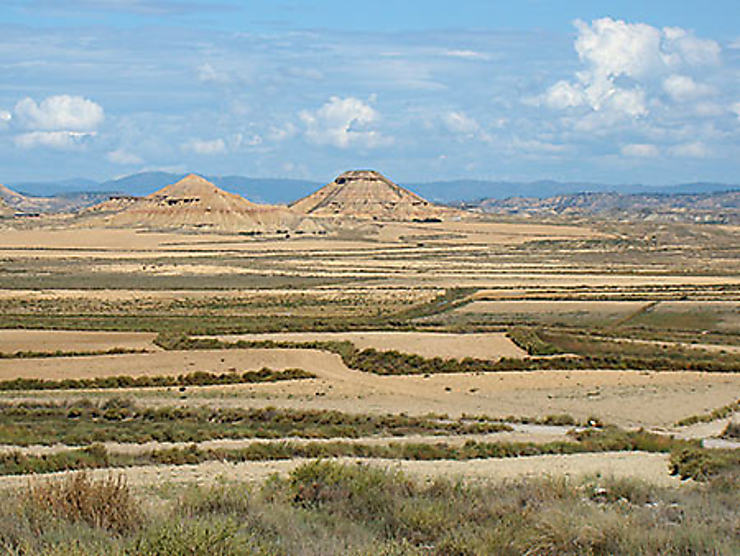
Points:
[(688, 459), (121, 420), (719, 413), (198, 378), (397, 363), (60, 353)]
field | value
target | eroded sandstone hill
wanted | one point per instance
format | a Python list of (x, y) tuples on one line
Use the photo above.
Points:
[(195, 203), (367, 194), (5, 210)]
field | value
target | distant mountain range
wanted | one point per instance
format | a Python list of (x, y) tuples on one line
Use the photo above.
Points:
[(275, 190)]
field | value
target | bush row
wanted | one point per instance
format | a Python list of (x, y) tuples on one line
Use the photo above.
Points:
[(198, 378)]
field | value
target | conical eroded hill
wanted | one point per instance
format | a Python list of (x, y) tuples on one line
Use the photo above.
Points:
[(195, 203), (366, 194)]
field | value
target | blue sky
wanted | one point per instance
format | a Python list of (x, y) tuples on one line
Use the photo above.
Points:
[(617, 92)]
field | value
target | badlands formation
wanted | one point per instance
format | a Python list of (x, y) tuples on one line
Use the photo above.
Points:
[(368, 194), (195, 203)]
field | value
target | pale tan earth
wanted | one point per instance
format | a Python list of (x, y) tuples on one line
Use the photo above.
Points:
[(12, 341), (195, 203), (427, 344), (626, 398), (525, 433), (366, 194), (399, 263), (649, 467), (5, 209)]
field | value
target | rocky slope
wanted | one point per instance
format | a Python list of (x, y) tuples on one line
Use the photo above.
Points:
[(720, 207), (366, 194), (195, 203)]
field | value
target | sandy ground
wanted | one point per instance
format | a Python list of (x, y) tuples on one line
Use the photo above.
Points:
[(521, 433), (12, 341), (626, 398), (427, 344), (646, 466)]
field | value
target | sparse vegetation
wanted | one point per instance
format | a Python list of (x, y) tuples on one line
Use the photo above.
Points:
[(719, 413), (607, 440), (198, 378), (325, 508), (701, 464), (529, 341), (397, 363), (119, 419)]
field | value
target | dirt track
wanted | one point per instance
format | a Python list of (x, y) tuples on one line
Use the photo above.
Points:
[(645, 466)]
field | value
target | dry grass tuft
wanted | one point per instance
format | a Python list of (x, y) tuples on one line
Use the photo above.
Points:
[(106, 503)]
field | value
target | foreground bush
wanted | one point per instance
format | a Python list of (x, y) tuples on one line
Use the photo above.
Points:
[(331, 509)]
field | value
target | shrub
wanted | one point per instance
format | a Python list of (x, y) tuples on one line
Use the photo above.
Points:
[(106, 503), (702, 464)]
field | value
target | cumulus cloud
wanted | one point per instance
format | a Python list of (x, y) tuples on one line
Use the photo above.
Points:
[(205, 147), (342, 123), (622, 60), (62, 140), (5, 118), (640, 150), (462, 124), (59, 113), (683, 88), (123, 157)]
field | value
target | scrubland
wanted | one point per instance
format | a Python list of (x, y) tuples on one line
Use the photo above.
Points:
[(469, 387)]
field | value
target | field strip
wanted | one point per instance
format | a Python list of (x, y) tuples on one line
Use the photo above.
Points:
[(487, 346), (651, 467), (522, 433), (12, 341), (660, 343)]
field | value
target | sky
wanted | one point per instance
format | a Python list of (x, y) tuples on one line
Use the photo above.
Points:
[(613, 92)]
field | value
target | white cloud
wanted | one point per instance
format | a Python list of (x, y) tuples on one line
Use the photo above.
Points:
[(683, 88), (691, 150), (736, 109), (640, 150), (466, 54), (62, 140), (59, 113), (622, 62), (239, 139), (682, 47), (287, 131), (462, 124), (205, 147), (343, 122), (123, 157), (564, 95), (208, 74)]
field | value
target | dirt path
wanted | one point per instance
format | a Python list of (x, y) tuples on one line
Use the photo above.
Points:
[(649, 467)]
